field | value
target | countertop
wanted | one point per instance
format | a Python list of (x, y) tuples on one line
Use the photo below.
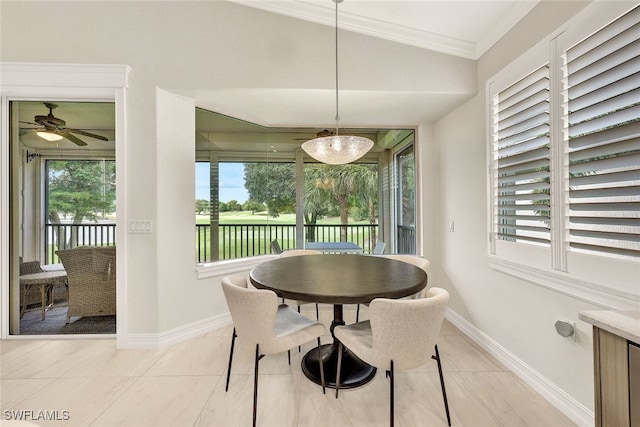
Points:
[(625, 324)]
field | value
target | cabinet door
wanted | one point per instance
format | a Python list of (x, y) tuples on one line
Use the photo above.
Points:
[(634, 384), (613, 378)]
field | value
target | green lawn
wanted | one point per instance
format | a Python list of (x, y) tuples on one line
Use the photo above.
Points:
[(246, 217), (249, 241)]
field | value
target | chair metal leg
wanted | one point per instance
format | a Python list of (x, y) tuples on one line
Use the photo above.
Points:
[(357, 313), (321, 366), (317, 312), (299, 349), (255, 384), (289, 356), (444, 391), (338, 368), (233, 340), (391, 397)]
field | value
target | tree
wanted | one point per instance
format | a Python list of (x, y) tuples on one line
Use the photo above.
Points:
[(253, 206), (202, 206), (273, 184), (233, 205), (345, 185), (83, 189), (317, 198)]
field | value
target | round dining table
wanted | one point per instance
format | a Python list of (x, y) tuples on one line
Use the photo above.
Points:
[(338, 279)]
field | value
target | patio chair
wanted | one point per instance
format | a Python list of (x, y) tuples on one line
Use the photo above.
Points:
[(379, 247), (30, 295), (275, 247), (91, 274)]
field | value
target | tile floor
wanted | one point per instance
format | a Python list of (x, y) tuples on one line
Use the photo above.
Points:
[(183, 385)]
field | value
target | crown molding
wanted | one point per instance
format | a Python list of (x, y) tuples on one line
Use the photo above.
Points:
[(321, 14)]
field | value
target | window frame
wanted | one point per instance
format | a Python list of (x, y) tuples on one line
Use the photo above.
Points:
[(601, 280)]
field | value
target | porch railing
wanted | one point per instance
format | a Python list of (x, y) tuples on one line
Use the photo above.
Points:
[(235, 240), (67, 236), (246, 240), (406, 243)]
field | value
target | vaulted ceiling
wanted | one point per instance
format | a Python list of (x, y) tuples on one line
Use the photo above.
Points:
[(465, 28)]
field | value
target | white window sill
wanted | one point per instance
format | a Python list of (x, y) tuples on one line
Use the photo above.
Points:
[(565, 284), (234, 266)]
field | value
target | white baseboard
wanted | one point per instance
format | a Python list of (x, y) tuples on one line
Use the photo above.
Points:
[(173, 336), (570, 407)]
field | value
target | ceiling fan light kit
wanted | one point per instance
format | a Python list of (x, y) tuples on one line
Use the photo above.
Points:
[(337, 149), (49, 136)]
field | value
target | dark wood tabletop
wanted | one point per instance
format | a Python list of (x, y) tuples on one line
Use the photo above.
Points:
[(338, 278)]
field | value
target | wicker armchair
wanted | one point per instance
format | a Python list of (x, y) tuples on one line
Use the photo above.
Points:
[(30, 295), (91, 273), (59, 291)]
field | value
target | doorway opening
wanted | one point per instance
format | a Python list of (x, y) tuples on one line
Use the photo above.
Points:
[(62, 220)]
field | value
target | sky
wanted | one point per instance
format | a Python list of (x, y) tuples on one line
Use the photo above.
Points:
[(231, 182)]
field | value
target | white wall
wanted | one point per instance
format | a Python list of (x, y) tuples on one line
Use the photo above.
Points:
[(174, 48), (178, 48), (516, 314)]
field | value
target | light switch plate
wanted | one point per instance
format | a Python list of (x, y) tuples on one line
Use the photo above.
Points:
[(141, 226)]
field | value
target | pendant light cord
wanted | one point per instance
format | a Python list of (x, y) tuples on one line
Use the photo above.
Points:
[(337, 110)]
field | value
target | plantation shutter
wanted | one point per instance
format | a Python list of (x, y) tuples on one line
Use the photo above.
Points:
[(602, 124), (521, 160)]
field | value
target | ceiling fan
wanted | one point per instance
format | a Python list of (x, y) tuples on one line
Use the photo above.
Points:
[(52, 126), (320, 134)]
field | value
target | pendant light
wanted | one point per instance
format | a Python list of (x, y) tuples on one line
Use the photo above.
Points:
[(337, 149)]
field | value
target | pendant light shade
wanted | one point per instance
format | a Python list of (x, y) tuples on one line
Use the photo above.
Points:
[(337, 149)]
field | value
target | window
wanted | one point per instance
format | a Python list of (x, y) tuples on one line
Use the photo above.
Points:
[(406, 200), (564, 141), (80, 197), (521, 160), (602, 126), (280, 194)]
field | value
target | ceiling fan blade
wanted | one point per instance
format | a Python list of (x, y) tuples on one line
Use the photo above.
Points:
[(91, 135), (73, 139), (29, 123)]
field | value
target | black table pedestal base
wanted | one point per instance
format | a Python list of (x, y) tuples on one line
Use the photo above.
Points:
[(354, 372)]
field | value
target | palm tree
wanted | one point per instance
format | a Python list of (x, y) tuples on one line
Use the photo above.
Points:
[(316, 199), (368, 192), (342, 183)]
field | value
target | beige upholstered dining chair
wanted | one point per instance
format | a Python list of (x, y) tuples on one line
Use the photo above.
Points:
[(298, 252), (399, 336), (416, 260), (419, 262), (273, 328)]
